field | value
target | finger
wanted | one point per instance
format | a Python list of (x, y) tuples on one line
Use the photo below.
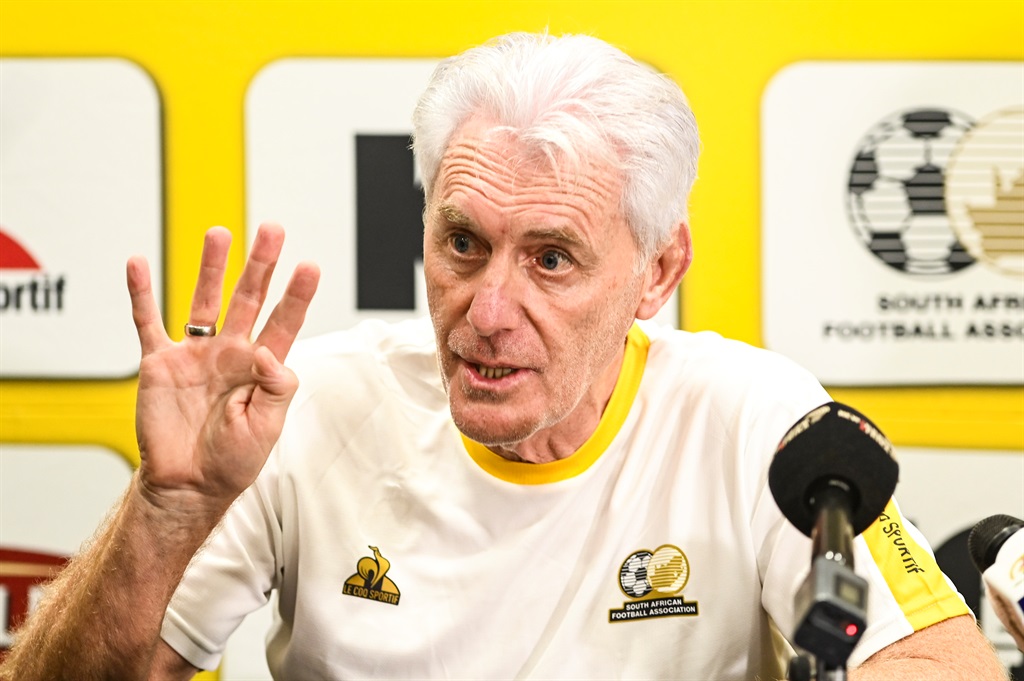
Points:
[(251, 289), (210, 284), (285, 321), (145, 311)]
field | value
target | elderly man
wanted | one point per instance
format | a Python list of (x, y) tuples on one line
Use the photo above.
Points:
[(534, 485)]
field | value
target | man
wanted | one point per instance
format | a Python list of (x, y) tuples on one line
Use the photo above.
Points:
[(536, 487)]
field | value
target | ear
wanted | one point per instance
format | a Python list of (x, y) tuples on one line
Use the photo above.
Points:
[(665, 271)]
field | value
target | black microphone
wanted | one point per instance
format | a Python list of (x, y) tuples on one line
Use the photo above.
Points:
[(833, 447), (996, 545), (832, 475), (988, 537)]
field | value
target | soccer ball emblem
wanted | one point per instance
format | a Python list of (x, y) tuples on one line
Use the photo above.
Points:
[(896, 191), (633, 576), (664, 572)]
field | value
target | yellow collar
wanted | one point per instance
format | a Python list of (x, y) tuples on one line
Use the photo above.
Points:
[(633, 363)]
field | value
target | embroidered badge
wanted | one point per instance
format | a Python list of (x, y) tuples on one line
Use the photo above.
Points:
[(654, 582), (371, 580)]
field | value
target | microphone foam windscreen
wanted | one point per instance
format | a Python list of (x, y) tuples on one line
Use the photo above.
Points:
[(988, 537), (833, 445)]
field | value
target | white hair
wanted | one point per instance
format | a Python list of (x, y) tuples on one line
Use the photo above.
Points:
[(573, 98)]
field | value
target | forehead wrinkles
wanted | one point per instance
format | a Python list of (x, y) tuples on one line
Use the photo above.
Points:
[(527, 177)]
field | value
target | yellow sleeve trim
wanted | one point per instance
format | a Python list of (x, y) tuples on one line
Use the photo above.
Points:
[(633, 362), (911, 572)]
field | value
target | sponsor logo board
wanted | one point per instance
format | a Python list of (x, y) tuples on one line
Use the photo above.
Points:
[(327, 156), (893, 234), (52, 499), (82, 179)]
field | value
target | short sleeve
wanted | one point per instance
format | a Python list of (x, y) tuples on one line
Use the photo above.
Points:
[(906, 589), (230, 577)]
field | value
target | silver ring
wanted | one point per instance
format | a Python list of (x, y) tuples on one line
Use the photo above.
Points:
[(200, 330)]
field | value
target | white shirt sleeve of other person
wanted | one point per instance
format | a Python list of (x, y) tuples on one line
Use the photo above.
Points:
[(402, 550)]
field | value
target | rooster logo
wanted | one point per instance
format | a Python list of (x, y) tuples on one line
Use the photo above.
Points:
[(371, 581)]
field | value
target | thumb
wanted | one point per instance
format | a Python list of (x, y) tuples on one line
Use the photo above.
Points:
[(275, 384)]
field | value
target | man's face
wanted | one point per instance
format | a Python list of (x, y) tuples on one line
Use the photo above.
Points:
[(531, 286)]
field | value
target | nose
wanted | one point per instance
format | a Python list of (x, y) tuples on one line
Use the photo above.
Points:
[(497, 300)]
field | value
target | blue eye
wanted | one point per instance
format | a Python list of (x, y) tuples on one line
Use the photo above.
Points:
[(460, 242), (550, 260)]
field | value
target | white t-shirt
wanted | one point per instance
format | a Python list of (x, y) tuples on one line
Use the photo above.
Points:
[(401, 550)]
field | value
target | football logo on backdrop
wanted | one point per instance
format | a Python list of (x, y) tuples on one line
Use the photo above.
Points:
[(931, 191), (654, 580), (893, 227), (985, 191)]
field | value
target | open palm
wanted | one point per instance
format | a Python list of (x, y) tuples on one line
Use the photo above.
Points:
[(210, 408)]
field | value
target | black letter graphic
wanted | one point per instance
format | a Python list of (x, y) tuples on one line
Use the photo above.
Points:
[(389, 224)]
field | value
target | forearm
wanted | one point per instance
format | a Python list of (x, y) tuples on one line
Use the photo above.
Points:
[(101, 617), (952, 650), (926, 670)]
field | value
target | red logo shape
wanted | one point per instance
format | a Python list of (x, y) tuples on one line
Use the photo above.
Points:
[(21, 573), (13, 255)]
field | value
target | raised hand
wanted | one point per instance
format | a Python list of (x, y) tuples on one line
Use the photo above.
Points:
[(211, 407)]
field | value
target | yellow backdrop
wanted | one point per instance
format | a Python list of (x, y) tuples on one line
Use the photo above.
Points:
[(203, 55)]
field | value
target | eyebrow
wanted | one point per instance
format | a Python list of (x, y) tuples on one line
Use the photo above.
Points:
[(559, 234), (456, 217)]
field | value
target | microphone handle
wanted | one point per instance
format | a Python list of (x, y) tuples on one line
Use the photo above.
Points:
[(831, 603), (832, 536)]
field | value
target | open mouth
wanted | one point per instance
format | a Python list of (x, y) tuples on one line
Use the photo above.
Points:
[(494, 372)]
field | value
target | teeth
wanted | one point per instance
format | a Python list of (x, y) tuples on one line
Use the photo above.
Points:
[(493, 372)]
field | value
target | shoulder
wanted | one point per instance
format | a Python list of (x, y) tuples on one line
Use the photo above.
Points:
[(708, 364), (372, 358), (369, 338), (725, 394)]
